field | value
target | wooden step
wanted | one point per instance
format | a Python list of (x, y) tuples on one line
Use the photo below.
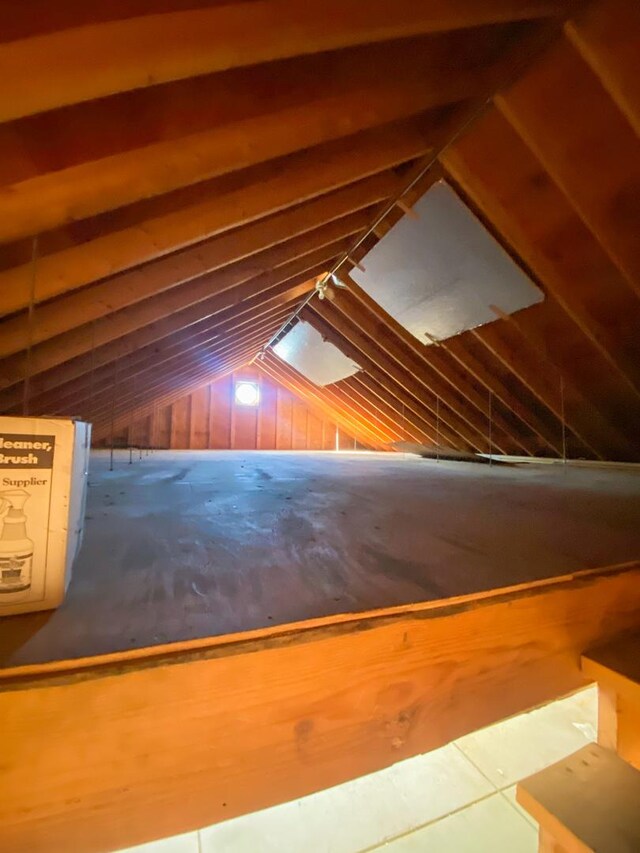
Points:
[(590, 801)]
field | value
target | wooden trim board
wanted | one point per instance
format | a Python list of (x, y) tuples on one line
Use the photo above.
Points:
[(100, 757)]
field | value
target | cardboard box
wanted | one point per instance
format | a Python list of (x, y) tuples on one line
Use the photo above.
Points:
[(43, 487)]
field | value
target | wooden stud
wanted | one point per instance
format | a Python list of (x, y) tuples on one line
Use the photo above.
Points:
[(616, 670)]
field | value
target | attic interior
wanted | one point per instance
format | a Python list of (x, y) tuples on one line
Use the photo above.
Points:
[(349, 295)]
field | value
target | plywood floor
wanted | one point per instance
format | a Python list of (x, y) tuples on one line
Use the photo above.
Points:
[(190, 544)]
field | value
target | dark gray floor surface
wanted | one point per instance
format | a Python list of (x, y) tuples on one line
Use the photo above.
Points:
[(191, 544)]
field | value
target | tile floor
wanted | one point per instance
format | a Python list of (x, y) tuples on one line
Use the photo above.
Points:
[(458, 799)]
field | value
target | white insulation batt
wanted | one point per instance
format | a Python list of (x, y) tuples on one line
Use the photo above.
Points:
[(320, 361), (440, 273)]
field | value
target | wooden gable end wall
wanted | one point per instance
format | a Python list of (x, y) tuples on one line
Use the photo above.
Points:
[(209, 419)]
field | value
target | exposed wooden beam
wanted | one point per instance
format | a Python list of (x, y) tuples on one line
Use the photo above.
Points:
[(615, 670), (610, 441), (410, 394), (518, 399), (249, 338), (380, 387), (196, 293), (172, 377), (195, 318), (377, 412), (508, 345), (187, 385), (365, 330), (266, 191), (521, 648), (50, 70), (595, 163), (340, 403), (406, 418), (533, 219), (607, 35), (315, 223), (469, 421), (363, 97), (584, 802), (113, 126), (231, 366), (517, 434), (175, 375), (198, 335), (434, 360), (297, 384), (94, 393)]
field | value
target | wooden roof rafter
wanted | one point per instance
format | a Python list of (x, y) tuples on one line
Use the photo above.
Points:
[(145, 268), (49, 70)]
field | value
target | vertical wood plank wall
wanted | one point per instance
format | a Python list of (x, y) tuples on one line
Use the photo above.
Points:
[(209, 418)]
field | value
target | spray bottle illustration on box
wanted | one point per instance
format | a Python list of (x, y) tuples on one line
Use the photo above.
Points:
[(16, 549)]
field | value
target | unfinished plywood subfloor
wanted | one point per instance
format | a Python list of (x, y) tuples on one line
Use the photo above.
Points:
[(185, 544)]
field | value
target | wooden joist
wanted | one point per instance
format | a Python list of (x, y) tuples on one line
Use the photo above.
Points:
[(283, 699), (436, 359), (188, 383), (75, 392), (537, 223), (349, 393), (191, 373), (419, 388), (404, 417), (412, 403), (152, 377), (497, 377), (191, 320), (177, 187), (417, 357), (502, 340)]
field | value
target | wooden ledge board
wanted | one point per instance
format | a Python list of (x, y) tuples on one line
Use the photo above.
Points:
[(307, 630), (118, 755)]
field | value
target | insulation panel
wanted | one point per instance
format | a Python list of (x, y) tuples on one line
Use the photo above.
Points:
[(440, 273), (320, 361)]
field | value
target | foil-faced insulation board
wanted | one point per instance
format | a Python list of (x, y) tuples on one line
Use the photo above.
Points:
[(320, 361), (440, 273)]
